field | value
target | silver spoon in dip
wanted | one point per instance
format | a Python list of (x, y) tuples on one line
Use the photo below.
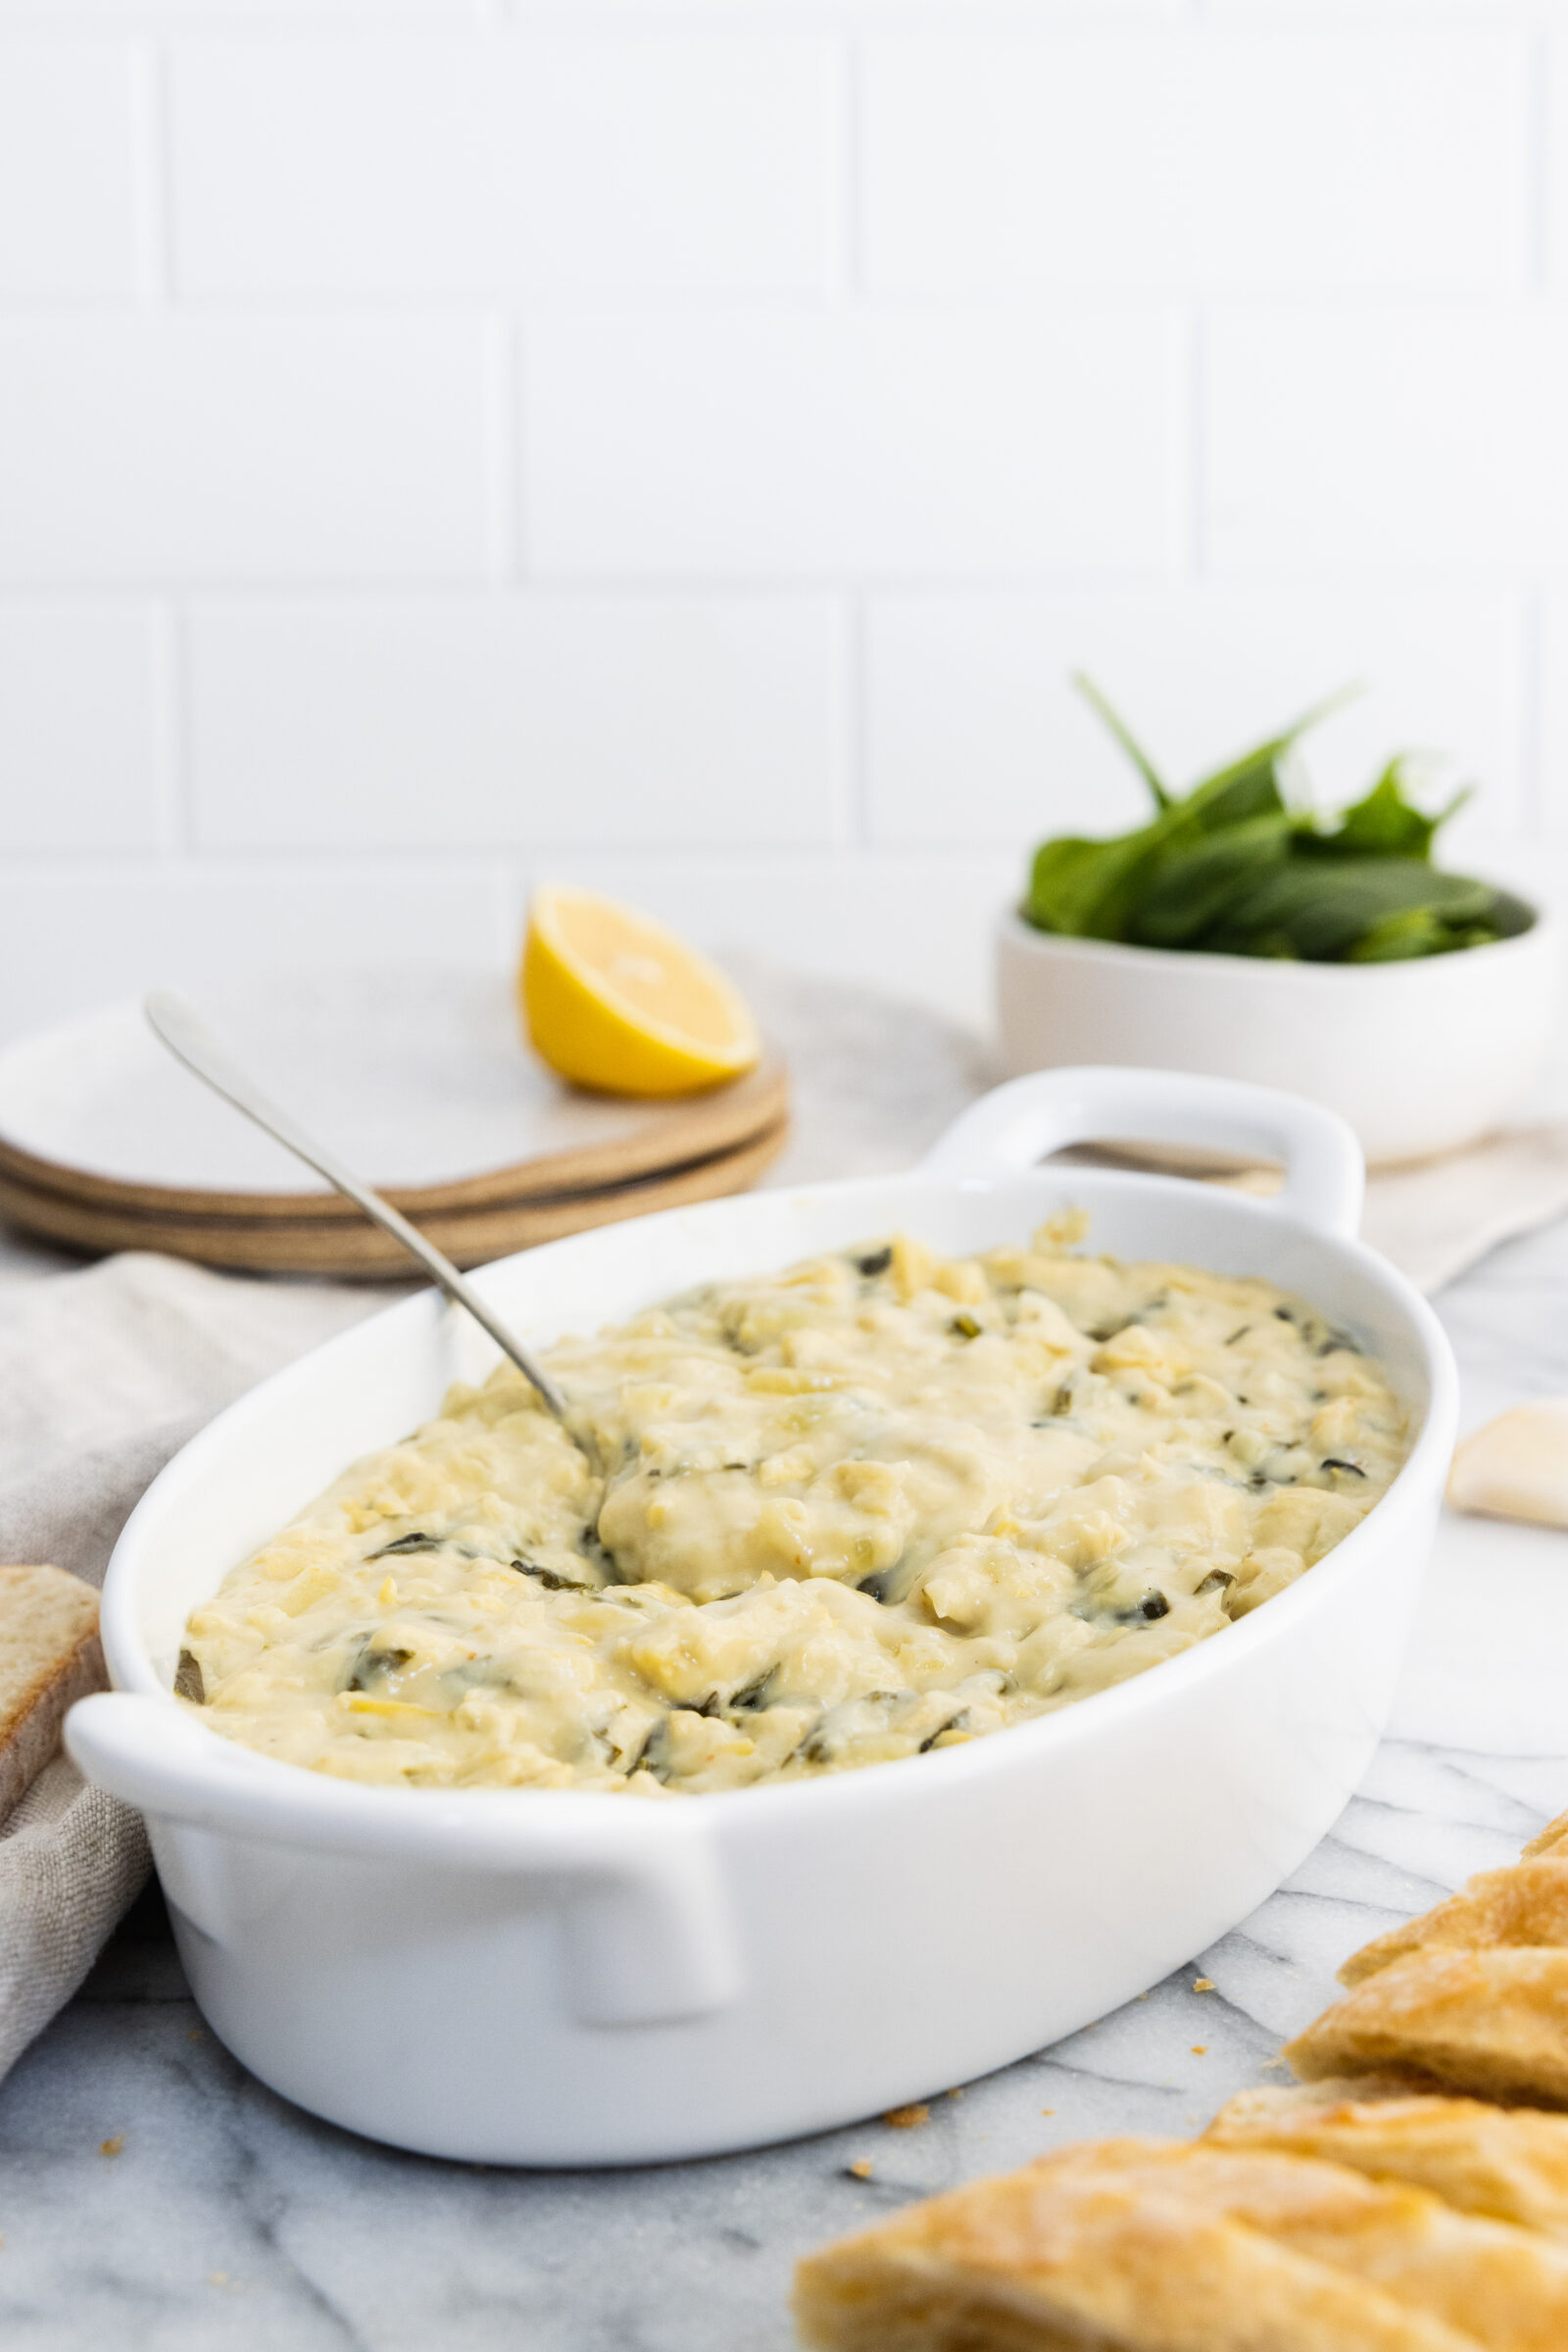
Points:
[(187, 1035)]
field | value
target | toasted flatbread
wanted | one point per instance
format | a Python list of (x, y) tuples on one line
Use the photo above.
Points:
[(1524, 1904), (1508, 2164), (49, 1657), (1490, 2023), (1554, 1834), (1504, 2285), (1144, 2246)]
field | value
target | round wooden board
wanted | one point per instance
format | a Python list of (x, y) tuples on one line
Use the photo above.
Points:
[(471, 1237), (417, 1078)]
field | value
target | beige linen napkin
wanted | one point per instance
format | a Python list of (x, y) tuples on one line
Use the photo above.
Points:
[(1431, 1219), (104, 1373), (1437, 1216)]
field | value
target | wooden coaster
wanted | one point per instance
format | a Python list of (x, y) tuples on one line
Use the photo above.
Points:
[(470, 1236)]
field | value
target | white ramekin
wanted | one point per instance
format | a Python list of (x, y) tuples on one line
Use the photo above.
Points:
[(1419, 1056), (567, 1978)]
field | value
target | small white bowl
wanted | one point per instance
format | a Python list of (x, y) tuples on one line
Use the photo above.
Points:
[(1419, 1058)]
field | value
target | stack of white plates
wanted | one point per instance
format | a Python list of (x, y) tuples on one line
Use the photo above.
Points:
[(417, 1078)]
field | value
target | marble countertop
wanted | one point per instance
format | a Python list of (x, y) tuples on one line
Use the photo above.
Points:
[(152, 2192)]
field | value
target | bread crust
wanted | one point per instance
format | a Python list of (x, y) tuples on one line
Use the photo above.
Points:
[(1525, 1904), (50, 1656), (1470, 1997), (1490, 2279), (1104, 2247), (1505, 2164), (1490, 2023), (1554, 1834)]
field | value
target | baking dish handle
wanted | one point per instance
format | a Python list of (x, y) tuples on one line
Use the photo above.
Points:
[(1017, 1125), (648, 1931)]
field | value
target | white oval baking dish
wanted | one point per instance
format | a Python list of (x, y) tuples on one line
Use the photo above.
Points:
[(574, 1979)]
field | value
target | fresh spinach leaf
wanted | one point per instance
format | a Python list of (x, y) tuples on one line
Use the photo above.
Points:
[(1385, 824), (1195, 884), (1252, 783), (1231, 868), (1124, 736), (1325, 910)]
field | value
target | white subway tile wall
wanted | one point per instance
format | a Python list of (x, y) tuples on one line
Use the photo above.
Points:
[(511, 722), (854, 443), (192, 450), (1214, 159), (84, 728), (685, 445), (639, 163), (73, 184)]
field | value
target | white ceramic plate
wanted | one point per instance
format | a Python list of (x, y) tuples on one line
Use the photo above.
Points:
[(420, 1078)]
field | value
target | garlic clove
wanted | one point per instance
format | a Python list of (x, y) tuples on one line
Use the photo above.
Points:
[(1516, 1467)]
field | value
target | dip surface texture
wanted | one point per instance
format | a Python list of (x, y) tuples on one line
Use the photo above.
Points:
[(878, 1503)]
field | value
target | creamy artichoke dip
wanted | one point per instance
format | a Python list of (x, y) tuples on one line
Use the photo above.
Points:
[(878, 1503)]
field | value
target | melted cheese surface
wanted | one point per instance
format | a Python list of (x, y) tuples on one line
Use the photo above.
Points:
[(878, 1503)]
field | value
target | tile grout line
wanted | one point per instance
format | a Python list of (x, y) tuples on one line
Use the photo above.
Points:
[(359, 593), (1196, 452), (858, 726), (159, 272), (225, 861), (1532, 712), (848, 210), (176, 811), (1538, 159), (180, 825), (845, 49), (1041, 303), (505, 521), (511, 886)]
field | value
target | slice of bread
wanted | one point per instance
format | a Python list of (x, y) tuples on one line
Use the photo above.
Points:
[(1150, 2246), (49, 1657)]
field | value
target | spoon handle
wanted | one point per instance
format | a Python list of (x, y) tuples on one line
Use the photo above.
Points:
[(187, 1035)]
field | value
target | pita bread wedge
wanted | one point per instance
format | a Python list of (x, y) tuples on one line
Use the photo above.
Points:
[(1508, 2164), (1524, 1904), (1494, 2024), (1106, 2246)]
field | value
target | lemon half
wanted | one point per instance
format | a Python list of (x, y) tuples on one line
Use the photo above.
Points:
[(613, 1000)]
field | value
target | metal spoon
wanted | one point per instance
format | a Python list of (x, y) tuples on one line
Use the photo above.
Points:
[(187, 1035)]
